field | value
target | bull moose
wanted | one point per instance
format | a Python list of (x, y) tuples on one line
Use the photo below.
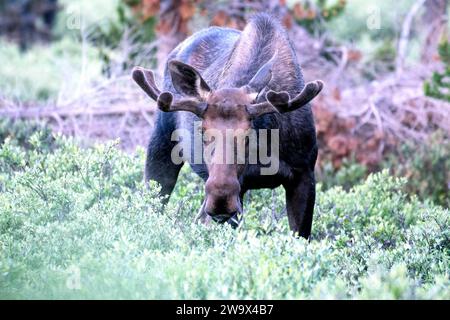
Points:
[(225, 80)]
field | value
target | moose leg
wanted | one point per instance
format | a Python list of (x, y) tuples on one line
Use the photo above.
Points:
[(159, 168), (159, 165), (300, 198)]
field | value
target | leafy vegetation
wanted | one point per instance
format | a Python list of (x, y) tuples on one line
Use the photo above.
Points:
[(313, 19), (439, 84), (109, 36), (347, 175), (79, 223), (424, 165), (43, 73)]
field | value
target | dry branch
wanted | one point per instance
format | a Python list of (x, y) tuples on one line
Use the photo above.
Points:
[(46, 112)]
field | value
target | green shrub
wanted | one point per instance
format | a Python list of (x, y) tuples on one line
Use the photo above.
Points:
[(82, 14), (313, 18), (439, 84), (79, 223), (426, 167), (66, 65), (109, 36), (19, 133), (349, 174)]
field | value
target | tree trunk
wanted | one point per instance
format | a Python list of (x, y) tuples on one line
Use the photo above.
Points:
[(172, 27), (434, 20)]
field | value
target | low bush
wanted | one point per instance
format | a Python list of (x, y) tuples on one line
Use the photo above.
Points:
[(18, 132), (424, 165), (350, 173), (79, 223)]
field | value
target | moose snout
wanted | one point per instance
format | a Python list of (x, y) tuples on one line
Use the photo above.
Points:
[(221, 218), (222, 210), (222, 199), (232, 218)]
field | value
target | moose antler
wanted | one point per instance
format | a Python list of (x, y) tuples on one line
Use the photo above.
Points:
[(165, 100), (281, 102)]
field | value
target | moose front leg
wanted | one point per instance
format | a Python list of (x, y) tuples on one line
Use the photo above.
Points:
[(163, 171), (300, 198), (159, 166)]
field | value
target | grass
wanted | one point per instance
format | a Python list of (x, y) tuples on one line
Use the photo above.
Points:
[(47, 73), (79, 223)]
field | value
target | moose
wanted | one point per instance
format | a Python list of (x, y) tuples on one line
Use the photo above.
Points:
[(227, 79)]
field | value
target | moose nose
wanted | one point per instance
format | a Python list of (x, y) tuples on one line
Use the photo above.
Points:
[(232, 219), (220, 218)]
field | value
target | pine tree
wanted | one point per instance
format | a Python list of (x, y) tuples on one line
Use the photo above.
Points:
[(439, 84)]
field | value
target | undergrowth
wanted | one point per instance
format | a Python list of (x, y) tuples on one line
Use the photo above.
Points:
[(79, 223)]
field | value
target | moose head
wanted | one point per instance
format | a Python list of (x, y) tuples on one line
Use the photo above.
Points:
[(224, 109)]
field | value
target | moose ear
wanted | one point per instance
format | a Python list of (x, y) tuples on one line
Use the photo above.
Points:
[(261, 78), (188, 81)]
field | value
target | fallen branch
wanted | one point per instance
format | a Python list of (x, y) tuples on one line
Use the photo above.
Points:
[(58, 113)]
